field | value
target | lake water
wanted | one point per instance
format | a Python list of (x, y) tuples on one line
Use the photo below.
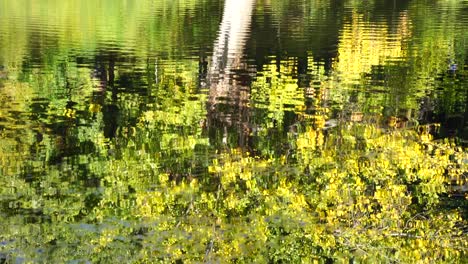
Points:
[(191, 131)]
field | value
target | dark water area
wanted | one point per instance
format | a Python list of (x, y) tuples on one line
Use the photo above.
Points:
[(233, 131)]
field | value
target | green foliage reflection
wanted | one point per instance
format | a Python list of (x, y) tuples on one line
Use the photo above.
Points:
[(105, 154)]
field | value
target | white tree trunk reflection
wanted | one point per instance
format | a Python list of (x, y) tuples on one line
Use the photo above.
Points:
[(229, 47), (228, 73)]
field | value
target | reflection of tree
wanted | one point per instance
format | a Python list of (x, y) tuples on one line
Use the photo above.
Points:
[(379, 203), (229, 75), (104, 73), (78, 183)]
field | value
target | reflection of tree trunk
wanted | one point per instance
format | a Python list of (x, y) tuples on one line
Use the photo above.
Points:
[(233, 33), (111, 111), (105, 73), (228, 75)]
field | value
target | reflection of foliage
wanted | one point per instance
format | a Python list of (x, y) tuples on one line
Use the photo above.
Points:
[(154, 190), (358, 52), (277, 92), (144, 26), (375, 199)]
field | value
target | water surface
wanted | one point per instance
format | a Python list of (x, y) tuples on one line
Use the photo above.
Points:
[(223, 131)]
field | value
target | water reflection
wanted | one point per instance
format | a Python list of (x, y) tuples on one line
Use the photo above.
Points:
[(229, 75), (223, 131)]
